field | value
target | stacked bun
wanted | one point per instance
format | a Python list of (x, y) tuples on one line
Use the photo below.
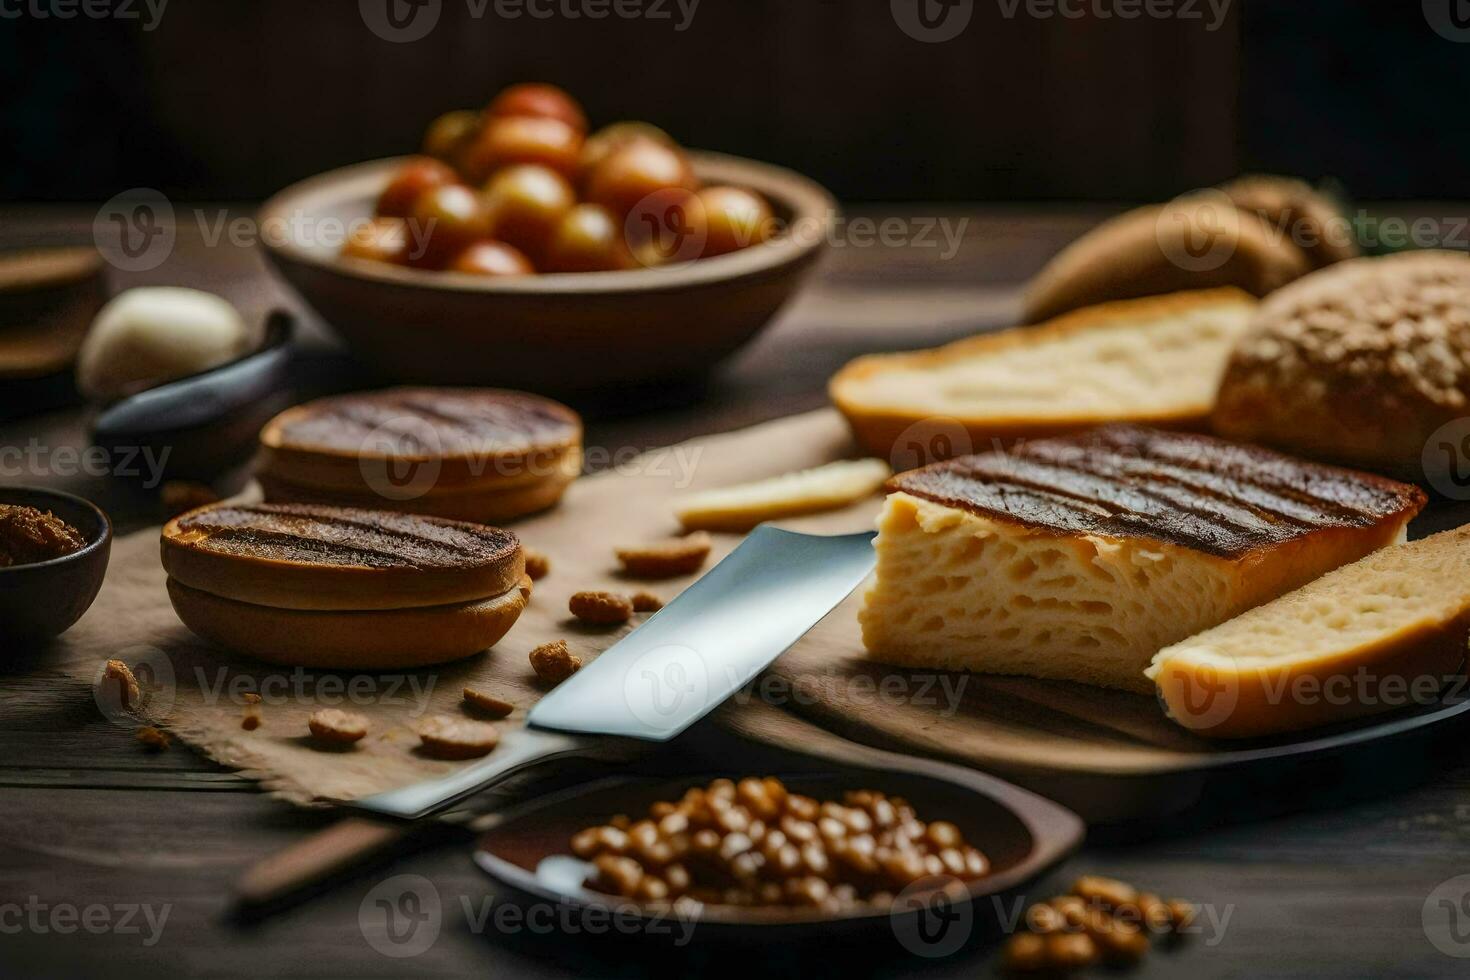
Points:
[(334, 587)]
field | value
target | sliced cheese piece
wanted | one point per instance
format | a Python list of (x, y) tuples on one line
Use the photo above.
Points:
[(1385, 632), (742, 507)]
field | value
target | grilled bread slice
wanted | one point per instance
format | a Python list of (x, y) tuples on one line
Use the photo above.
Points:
[(1079, 558), (1386, 631), (1155, 361)]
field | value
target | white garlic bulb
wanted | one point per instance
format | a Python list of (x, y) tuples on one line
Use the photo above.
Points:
[(146, 336)]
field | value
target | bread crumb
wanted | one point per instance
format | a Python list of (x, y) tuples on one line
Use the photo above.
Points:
[(537, 564), (152, 739), (337, 727), (600, 608), (447, 737), (487, 703), (668, 558), (553, 662), (646, 602), (129, 695)]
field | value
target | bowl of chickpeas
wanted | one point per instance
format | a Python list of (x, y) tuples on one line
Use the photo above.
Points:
[(522, 247), (810, 849)]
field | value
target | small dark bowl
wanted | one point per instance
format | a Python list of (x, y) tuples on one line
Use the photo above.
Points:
[(44, 599)]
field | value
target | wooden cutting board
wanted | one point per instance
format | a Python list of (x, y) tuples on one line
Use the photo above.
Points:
[(1110, 755)]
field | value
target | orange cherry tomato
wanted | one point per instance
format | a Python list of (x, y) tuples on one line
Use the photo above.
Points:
[(449, 135), (541, 100), (509, 140), (588, 239), (632, 173), (492, 259), (735, 218), (667, 226), (614, 136), (445, 221), (378, 240), (418, 175), (526, 203)]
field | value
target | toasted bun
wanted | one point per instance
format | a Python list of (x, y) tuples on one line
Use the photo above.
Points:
[(1154, 361), (455, 440), (376, 639), (293, 556), (1154, 250), (1358, 363)]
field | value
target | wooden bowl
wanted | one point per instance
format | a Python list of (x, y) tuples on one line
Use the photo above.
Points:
[(564, 331), (1022, 834), (44, 599)]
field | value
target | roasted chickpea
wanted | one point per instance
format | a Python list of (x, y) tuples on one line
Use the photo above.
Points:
[(412, 181), (635, 171), (449, 135), (446, 221), (735, 218), (538, 99), (526, 204), (379, 240), (509, 140), (588, 239), (492, 259)]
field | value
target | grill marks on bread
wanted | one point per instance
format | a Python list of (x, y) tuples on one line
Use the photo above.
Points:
[(345, 537), (1194, 491)]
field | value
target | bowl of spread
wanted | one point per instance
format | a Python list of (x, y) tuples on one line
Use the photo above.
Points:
[(54, 549)]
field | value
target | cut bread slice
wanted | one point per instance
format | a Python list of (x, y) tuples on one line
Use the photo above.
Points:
[(1079, 558), (1387, 631), (742, 507), (1155, 361)]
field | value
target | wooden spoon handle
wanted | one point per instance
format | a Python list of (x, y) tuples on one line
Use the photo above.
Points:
[(341, 846)]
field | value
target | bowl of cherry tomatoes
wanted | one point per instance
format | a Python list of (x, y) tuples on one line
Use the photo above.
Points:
[(521, 249)]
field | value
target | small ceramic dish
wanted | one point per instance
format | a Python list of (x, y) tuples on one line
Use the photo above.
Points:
[(44, 599), (207, 423), (1021, 833), (553, 332)]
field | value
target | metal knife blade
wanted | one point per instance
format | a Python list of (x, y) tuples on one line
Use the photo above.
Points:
[(713, 639)]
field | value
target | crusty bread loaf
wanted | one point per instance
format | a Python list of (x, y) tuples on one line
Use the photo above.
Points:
[(1078, 558), (355, 639), (1382, 633), (1155, 361), (1199, 241), (1358, 363)]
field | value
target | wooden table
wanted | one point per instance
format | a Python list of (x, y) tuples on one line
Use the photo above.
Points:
[(1331, 882)]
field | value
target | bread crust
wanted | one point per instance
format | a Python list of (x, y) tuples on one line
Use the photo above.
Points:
[(257, 576), (1129, 256), (373, 639), (879, 429)]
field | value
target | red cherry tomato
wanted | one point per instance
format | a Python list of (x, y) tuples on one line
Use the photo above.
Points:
[(666, 226), (378, 240), (414, 178), (639, 169), (525, 204), (541, 100), (449, 135), (735, 218), (614, 136), (492, 259), (588, 239), (509, 140), (445, 221)]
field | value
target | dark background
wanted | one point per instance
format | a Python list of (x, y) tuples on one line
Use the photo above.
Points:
[(232, 99)]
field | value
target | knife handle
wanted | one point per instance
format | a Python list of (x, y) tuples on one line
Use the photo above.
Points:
[(518, 750)]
